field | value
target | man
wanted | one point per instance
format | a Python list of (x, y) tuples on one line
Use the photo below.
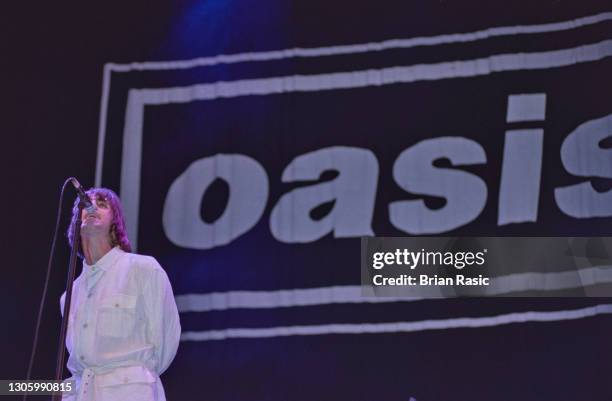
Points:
[(123, 327)]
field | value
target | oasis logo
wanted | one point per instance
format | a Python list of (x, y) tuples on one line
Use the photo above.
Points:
[(171, 100), (354, 189)]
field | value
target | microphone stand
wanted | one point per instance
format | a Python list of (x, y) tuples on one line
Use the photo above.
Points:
[(61, 353)]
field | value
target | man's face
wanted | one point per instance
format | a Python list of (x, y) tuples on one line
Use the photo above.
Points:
[(98, 223)]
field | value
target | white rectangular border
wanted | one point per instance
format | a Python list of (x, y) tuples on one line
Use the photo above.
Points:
[(137, 99)]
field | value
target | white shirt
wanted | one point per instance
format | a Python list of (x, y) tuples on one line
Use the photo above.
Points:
[(123, 329)]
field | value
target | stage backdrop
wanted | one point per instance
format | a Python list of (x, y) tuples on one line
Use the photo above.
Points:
[(254, 156)]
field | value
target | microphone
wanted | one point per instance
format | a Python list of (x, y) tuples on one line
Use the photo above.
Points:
[(89, 206)]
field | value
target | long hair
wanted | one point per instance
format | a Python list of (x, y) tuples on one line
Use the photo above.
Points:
[(118, 232)]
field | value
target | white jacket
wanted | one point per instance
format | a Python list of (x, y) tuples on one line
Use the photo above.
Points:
[(123, 329)]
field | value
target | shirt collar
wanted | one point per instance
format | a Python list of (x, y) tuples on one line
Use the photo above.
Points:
[(105, 262)]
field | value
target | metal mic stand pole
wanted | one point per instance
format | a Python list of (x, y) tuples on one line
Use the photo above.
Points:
[(61, 352)]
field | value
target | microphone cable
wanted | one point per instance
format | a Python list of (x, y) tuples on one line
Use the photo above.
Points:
[(44, 293)]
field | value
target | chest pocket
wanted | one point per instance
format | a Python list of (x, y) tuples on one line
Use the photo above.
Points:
[(117, 315)]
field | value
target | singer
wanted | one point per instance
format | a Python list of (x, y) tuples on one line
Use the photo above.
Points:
[(123, 327)]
